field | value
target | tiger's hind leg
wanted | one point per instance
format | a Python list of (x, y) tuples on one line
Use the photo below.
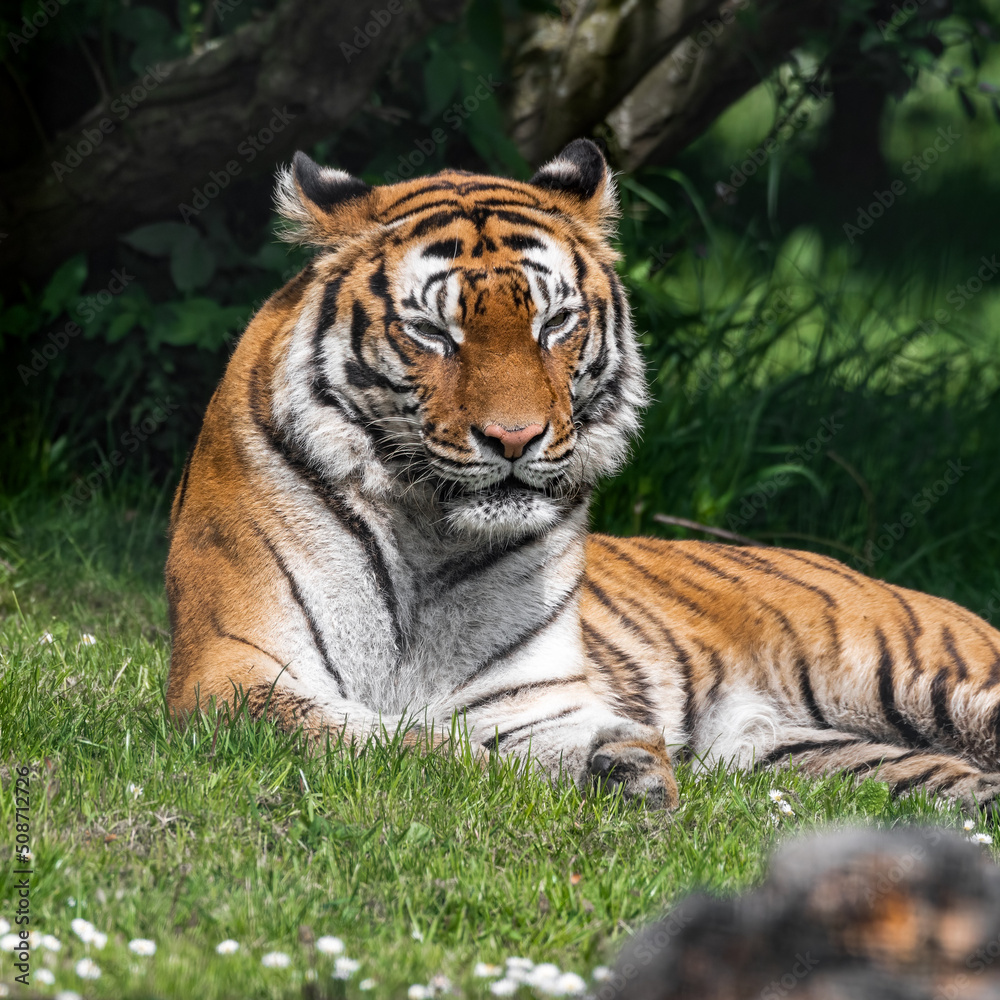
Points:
[(825, 751)]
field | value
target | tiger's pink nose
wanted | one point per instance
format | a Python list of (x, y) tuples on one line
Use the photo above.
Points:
[(513, 442)]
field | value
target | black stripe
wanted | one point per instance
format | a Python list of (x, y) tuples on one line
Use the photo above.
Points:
[(745, 557), (495, 696), (445, 249), (220, 631), (337, 504), (809, 696), (949, 644), (638, 704), (456, 571), (918, 779), (293, 587), (496, 741), (805, 746), (525, 637), (887, 696), (182, 488), (939, 700), (874, 763)]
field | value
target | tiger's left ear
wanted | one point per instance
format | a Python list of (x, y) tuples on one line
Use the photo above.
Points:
[(581, 174), (321, 205)]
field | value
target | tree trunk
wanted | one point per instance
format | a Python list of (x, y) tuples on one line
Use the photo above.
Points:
[(235, 108)]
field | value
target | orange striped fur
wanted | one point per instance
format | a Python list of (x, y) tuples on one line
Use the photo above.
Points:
[(384, 523)]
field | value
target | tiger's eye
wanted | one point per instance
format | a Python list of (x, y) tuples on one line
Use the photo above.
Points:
[(557, 321)]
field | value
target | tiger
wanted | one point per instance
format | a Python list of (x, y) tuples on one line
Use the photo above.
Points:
[(382, 529)]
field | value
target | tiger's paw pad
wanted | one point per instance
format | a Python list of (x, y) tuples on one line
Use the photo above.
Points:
[(634, 758)]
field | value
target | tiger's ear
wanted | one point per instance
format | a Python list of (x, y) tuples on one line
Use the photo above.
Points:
[(321, 205), (580, 173)]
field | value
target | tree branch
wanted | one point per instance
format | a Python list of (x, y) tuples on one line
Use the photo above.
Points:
[(248, 101)]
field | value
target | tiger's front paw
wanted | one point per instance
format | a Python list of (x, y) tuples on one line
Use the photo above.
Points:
[(634, 757)]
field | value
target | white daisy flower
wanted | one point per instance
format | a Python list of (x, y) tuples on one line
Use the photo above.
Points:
[(46, 639), (83, 929), (419, 992), (440, 983), (543, 975), (5, 991), (417, 935), (776, 795), (329, 945), (142, 946), (969, 824), (134, 790), (87, 968), (67, 995), (46, 976), (483, 970), (227, 947), (601, 973), (50, 943), (344, 968), (99, 940), (276, 960), (367, 984), (572, 984), (504, 987), (70, 901), (525, 964), (4, 926), (785, 808), (9, 942), (86, 639), (981, 838)]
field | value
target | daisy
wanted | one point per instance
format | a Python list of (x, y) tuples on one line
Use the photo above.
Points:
[(9, 942), (484, 971), (142, 946), (86, 639), (785, 808), (440, 984), (571, 983), (981, 838), (276, 960), (134, 790), (367, 984), (50, 943), (542, 976), (504, 987), (416, 935), (601, 973), (419, 992), (99, 940), (227, 947), (67, 995), (4, 926), (83, 929), (45, 976), (87, 968), (329, 945), (776, 795), (969, 824), (344, 968), (46, 639)]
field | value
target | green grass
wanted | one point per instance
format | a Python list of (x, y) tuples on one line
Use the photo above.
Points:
[(239, 833)]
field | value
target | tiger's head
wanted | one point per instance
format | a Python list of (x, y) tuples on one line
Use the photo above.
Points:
[(465, 334)]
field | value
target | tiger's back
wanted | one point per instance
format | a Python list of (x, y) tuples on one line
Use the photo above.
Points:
[(384, 522)]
